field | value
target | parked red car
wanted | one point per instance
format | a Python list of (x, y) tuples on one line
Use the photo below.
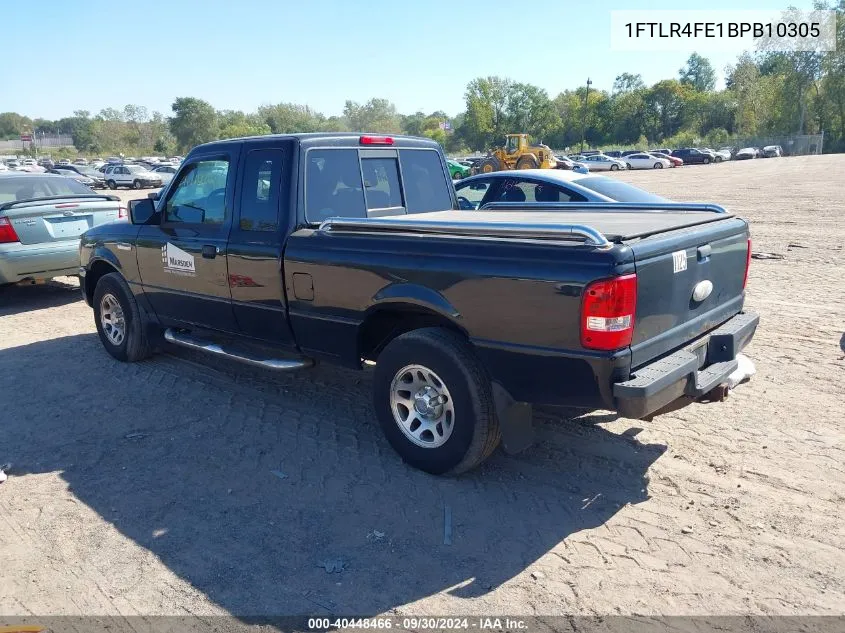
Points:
[(676, 162)]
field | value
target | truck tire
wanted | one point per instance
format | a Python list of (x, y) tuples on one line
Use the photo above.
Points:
[(112, 184), (434, 402), (489, 164), (119, 321), (527, 162)]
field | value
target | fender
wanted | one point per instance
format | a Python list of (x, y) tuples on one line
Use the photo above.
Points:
[(414, 294)]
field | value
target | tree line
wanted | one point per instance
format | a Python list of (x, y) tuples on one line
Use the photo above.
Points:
[(766, 94)]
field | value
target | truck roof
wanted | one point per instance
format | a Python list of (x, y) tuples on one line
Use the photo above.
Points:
[(328, 138)]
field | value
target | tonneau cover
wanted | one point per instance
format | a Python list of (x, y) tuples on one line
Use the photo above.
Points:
[(615, 226)]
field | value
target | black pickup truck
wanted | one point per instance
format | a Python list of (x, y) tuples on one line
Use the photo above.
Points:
[(280, 251)]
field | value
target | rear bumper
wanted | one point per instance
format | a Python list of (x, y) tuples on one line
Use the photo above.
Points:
[(691, 372), (19, 262)]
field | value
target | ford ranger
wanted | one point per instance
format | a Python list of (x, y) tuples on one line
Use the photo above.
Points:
[(280, 251)]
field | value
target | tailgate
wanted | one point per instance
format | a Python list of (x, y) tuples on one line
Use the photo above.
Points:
[(709, 261), (44, 222)]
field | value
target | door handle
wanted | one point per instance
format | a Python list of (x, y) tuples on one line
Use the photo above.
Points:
[(209, 251)]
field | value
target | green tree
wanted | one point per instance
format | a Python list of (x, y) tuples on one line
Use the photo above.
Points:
[(530, 110), (13, 124), (377, 115), (234, 124), (291, 118), (698, 73), (628, 82), (194, 121), (486, 114)]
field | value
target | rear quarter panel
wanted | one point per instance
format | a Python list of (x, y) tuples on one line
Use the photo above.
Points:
[(518, 302)]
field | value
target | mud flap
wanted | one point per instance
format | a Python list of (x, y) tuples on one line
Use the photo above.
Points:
[(515, 421)]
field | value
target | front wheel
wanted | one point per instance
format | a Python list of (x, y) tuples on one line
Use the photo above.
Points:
[(658, 165), (706, 161), (629, 165), (118, 320), (136, 184), (614, 168), (434, 402), (112, 184)]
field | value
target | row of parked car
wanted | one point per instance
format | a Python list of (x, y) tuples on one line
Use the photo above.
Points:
[(99, 174), (614, 160)]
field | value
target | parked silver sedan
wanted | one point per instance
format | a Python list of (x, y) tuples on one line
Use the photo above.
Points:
[(41, 219), (546, 185)]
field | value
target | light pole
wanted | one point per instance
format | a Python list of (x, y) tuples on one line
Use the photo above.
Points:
[(584, 117)]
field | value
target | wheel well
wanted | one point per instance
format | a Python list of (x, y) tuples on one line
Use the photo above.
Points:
[(98, 269), (384, 325)]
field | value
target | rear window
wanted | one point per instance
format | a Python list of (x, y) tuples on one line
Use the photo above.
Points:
[(381, 182), (618, 190), (333, 186), (34, 187), (426, 186)]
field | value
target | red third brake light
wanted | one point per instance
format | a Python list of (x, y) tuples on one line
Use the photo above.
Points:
[(376, 140), (747, 264), (7, 232), (608, 309)]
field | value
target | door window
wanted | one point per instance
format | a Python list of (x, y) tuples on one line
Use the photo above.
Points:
[(261, 189), (200, 195), (473, 193)]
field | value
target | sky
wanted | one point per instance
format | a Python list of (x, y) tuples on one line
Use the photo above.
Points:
[(240, 54)]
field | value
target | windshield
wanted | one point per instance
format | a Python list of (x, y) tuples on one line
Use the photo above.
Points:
[(618, 190)]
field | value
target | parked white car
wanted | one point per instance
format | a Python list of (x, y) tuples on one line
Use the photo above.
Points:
[(646, 161), (722, 154), (747, 152), (600, 162), (133, 176)]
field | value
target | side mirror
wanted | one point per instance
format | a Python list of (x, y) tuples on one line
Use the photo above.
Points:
[(141, 211), (154, 195)]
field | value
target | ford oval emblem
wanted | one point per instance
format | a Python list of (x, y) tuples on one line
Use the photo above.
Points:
[(702, 290)]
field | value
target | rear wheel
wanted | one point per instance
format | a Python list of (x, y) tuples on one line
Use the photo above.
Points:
[(629, 165), (489, 164), (112, 184), (434, 402), (527, 162), (118, 320)]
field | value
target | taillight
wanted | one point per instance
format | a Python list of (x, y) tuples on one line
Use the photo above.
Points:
[(7, 232), (122, 212), (747, 264), (376, 140), (608, 309)]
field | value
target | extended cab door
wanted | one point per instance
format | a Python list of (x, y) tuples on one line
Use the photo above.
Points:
[(182, 260), (263, 220)]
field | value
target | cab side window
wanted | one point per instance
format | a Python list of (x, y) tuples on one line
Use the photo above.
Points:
[(261, 190), (200, 195)]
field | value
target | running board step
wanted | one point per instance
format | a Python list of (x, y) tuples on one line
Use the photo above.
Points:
[(186, 339)]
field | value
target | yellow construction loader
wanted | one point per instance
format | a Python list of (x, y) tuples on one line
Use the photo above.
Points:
[(518, 153)]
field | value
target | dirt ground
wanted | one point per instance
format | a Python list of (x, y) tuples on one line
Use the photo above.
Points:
[(186, 486)]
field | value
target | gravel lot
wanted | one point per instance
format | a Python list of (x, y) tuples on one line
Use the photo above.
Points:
[(150, 488)]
